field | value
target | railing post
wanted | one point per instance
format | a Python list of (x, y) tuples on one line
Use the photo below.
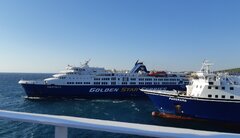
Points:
[(61, 132)]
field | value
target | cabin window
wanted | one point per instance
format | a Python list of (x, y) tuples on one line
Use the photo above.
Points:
[(141, 79), (113, 78), (223, 96), (210, 83), (216, 96), (113, 83), (124, 82), (223, 88), (141, 83), (209, 87), (209, 96), (86, 82), (197, 86), (132, 83), (231, 88), (231, 97), (216, 87), (105, 78), (133, 79), (104, 83), (148, 79)]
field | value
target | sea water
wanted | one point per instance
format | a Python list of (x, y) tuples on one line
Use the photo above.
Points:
[(13, 98)]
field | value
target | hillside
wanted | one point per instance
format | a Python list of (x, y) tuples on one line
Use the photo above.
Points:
[(235, 70)]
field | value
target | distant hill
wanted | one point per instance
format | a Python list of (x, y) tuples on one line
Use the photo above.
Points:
[(235, 70)]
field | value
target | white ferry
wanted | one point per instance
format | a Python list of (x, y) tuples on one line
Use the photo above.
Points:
[(211, 96), (94, 82)]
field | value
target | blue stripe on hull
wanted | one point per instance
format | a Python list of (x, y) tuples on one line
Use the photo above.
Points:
[(198, 108), (99, 91)]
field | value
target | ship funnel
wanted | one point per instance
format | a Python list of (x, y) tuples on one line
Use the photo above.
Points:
[(139, 66)]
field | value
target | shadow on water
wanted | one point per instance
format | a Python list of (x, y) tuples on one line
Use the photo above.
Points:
[(200, 125)]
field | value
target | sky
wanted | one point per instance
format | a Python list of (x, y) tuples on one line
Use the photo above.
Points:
[(176, 35)]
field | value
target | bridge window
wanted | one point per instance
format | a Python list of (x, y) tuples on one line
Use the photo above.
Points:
[(231, 97), (209, 96)]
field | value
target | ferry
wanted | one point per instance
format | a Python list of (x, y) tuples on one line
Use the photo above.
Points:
[(95, 82), (209, 96)]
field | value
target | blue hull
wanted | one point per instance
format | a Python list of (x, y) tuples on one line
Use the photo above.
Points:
[(218, 110), (91, 91)]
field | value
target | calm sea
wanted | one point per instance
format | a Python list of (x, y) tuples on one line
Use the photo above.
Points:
[(13, 98)]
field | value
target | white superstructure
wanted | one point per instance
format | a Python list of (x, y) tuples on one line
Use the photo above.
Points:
[(214, 85), (139, 75)]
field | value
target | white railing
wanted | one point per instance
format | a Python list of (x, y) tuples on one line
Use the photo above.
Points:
[(62, 123)]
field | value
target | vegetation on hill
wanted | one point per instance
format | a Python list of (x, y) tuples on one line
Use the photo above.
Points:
[(235, 70)]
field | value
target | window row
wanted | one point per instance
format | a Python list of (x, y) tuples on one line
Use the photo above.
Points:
[(223, 96), (216, 87), (78, 83)]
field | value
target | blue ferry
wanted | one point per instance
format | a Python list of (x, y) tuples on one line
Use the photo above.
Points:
[(95, 82), (209, 96)]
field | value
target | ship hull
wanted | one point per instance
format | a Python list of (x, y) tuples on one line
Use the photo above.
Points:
[(201, 108), (90, 91)]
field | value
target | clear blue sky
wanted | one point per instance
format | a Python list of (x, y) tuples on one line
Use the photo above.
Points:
[(46, 35)]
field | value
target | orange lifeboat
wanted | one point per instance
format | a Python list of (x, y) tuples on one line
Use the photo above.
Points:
[(158, 74)]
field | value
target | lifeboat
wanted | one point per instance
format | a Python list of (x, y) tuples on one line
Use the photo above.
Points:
[(158, 73)]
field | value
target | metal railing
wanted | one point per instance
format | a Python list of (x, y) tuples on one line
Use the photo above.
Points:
[(62, 123)]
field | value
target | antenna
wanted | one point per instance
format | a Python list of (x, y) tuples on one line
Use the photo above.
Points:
[(86, 62), (206, 66)]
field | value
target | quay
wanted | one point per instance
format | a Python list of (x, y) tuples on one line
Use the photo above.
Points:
[(62, 123)]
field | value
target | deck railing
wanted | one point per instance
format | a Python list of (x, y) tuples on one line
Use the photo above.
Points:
[(62, 123)]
